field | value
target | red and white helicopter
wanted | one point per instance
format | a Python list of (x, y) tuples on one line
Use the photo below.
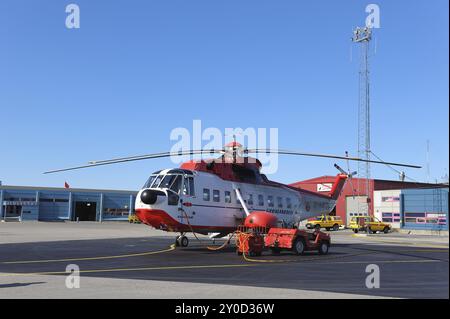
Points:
[(214, 196)]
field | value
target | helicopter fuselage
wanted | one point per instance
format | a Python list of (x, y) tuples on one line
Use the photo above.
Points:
[(180, 200)]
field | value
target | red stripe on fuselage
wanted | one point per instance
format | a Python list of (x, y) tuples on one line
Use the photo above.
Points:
[(160, 219)]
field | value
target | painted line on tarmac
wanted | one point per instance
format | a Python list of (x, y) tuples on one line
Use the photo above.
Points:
[(204, 267), (370, 238), (171, 248), (388, 261), (128, 269)]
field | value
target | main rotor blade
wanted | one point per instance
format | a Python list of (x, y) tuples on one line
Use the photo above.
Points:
[(135, 158), (287, 152)]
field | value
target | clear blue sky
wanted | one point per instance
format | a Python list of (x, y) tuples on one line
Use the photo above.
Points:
[(137, 69)]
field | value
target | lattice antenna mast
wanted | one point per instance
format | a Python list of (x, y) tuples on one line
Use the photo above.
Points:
[(363, 36)]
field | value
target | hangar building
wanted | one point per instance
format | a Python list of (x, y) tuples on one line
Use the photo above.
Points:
[(402, 204), (51, 203)]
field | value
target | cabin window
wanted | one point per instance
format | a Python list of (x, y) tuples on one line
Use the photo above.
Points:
[(250, 199), (288, 203), (188, 186), (206, 194), (280, 202), (260, 200), (216, 195), (191, 186), (270, 201), (227, 197)]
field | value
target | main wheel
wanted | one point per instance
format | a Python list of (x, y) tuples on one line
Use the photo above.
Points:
[(335, 227), (317, 227), (324, 247), (183, 241), (328, 228), (386, 230), (299, 246), (355, 230)]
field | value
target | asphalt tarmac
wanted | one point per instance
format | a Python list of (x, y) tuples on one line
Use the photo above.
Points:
[(407, 269)]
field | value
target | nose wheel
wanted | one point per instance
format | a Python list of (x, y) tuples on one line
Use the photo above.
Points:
[(182, 241)]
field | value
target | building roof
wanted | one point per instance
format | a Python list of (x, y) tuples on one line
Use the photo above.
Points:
[(330, 178), (62, 189)]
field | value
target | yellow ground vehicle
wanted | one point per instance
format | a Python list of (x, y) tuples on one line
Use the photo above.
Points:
[(369, 224), (327, 222), (132, 218)]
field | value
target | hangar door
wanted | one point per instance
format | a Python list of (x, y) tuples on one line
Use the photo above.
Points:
[(85, 211), (356, 206)]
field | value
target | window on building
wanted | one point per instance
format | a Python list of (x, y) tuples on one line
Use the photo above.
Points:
[(216, 195), (206, 194), (115, 212)]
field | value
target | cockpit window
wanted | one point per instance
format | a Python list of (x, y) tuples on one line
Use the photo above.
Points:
[(176, 184), (157, 181), (167, 181), (149, 182)]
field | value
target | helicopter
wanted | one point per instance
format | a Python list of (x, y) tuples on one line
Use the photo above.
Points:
[(213, 196)]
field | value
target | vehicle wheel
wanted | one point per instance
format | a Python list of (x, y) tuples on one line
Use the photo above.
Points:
[(328, 228), (299, 246), (386, 230), (183, 241), (324, 247), (275, 251), (355, 231), (177, 241), (308, 226), (317, 227), (335, 227)]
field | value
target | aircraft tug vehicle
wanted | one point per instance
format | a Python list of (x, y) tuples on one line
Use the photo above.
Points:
[(260, 231), (214, 196)]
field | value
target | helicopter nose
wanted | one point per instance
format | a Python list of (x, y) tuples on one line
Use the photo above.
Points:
[(149, 196)]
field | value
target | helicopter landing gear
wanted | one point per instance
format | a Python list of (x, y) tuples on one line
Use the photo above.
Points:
[(182, 241)]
